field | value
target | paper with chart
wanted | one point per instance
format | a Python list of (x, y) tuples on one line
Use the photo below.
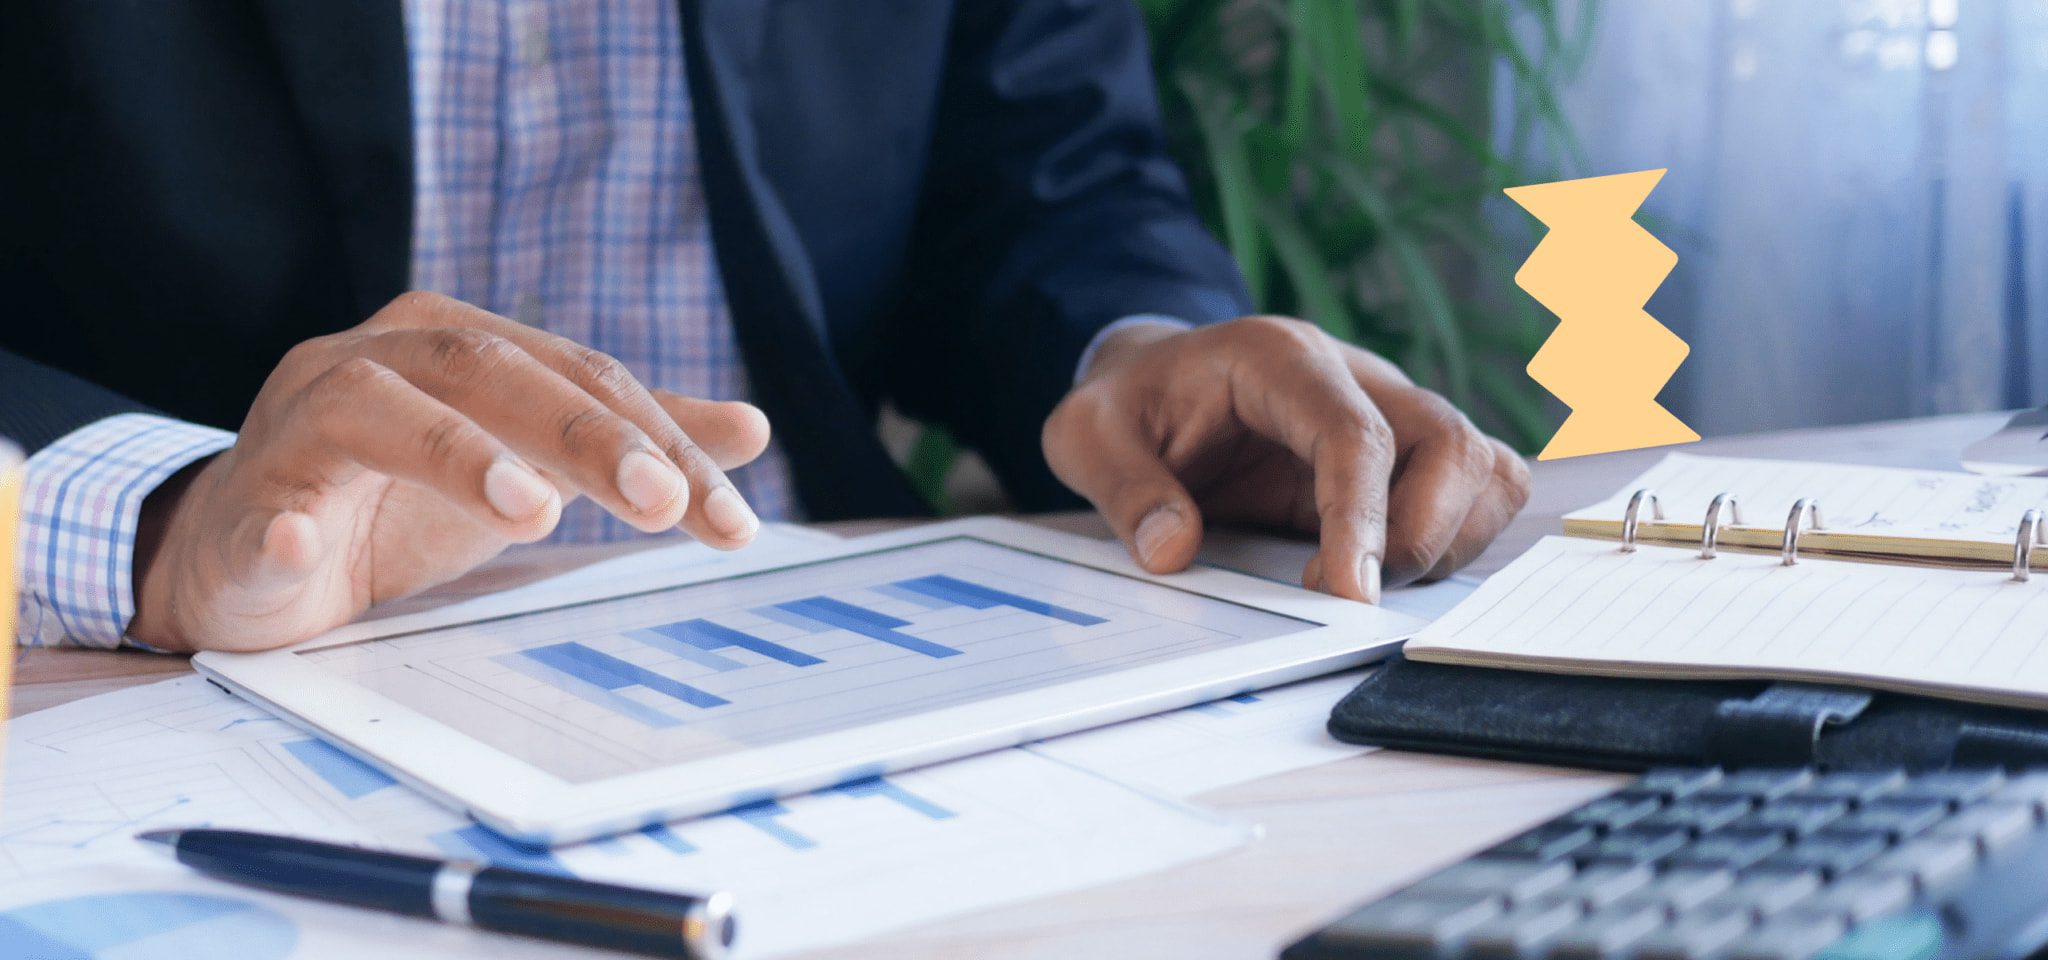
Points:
[(838, 865), (1582, 606), (1242, 738), (610, 687), (1934, 514)]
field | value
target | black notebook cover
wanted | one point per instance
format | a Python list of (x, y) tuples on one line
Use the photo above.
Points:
[(1631, 724)]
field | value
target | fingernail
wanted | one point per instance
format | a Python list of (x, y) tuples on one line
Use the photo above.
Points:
[(517, 493), (1158, 527), (1369, 578), (729, 514), (647, 483)]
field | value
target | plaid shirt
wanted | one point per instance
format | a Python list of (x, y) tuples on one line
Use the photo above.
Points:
[(555, 182)]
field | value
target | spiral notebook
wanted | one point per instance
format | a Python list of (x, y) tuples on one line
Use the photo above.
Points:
[(1709, 568)]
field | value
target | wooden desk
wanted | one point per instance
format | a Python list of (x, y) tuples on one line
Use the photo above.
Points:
[(1333, 834)]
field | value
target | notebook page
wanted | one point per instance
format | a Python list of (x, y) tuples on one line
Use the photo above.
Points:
[(1582, 606), (1858, 501)]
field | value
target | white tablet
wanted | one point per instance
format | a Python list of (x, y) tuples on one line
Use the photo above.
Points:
[(760, 677)]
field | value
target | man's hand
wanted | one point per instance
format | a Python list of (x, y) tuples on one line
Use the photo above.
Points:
[(385, 459), (1272, 422)]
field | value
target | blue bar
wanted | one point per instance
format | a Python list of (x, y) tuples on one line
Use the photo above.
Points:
[(787, 619), (707, 636), (981, 598), (879, 787), (475, 841), (589, 692), (702, 658), (908, 595), (661, 834), (1243, 698), (611, 673), (761, 816), (867, 623), (352, 778)]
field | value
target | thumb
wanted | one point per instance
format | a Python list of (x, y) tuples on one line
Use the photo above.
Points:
[(1144, 503), (272, 551)]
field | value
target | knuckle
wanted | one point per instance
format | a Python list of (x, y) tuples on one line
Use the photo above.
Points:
[(1285, 332), (460, 354), (444, 439), (691, 458), (1410, 557), (585, 430), (411, 308), (599, 372), (1513, 472)]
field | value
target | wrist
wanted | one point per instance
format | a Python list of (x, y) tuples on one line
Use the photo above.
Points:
[(1127, 340), (156, 526)]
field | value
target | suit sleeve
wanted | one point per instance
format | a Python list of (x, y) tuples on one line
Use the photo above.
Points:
[(1050, 211), (38, 404)]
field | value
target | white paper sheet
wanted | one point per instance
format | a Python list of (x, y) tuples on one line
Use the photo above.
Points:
[(808, 872)]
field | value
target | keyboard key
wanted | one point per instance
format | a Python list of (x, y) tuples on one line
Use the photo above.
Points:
[(1896, 816), (1616, 810), (1600, 885), (1696, 934), (1522, 929), (1678, 782), (1731, 848), (1855, 787), (1547, 842), (1685, 888), (1767, 894), (1993, 824), (1608, 931), (1407, 923), (1788, 937), (1634, 845), (1932, 863), (1861, 896), (1503, 878), (1795, 816), (1831, 852), (1761, 784), (1953, 786), (2030, 789), (1696, 815)]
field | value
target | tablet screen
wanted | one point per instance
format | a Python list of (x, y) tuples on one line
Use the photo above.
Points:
[(618, 686)]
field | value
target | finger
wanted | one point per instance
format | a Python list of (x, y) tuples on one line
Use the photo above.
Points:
[(1443, 474), (1490, 513), (1098, 451), (1308, 400), (713, 511), (542, 415), (733, 433), (363, 415)]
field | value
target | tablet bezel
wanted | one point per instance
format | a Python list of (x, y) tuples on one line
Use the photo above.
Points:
[(532, 806)]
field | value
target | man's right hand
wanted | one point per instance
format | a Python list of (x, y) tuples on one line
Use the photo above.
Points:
[(388, 458)]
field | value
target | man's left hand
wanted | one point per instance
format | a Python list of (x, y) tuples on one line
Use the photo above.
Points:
[(1272, 422)]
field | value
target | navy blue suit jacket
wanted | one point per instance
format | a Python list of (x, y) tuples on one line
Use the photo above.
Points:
[(934, 203)]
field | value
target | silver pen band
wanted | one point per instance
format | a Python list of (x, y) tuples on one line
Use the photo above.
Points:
[(450, 892)]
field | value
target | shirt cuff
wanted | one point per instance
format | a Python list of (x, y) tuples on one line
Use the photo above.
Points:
[(1102, 335), (81, 502)]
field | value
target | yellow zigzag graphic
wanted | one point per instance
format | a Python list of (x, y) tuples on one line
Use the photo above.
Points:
[(1608, 359)]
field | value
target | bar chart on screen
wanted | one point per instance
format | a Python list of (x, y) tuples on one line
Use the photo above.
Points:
[(676, 675)]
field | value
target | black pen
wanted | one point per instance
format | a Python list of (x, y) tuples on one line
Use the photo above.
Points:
[(457, 891)]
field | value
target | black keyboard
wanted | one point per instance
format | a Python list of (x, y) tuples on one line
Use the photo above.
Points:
[(1745, 865)]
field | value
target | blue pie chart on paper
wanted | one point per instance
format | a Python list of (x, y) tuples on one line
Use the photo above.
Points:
[(144, 926)]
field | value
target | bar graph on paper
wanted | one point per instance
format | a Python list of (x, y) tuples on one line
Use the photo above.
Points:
[(611, 687)]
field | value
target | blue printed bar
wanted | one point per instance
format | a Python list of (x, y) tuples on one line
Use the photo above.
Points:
[(906, 595), (788, 619), (474, 842), (661, 834), (880, 787), (762, 816), (867, 623), (607, 672), (955, 590), (350, 777), (705, 636)]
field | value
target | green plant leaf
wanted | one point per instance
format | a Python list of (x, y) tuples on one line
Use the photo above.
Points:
[(930, 462), (1236, 189), (1320, 301)]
